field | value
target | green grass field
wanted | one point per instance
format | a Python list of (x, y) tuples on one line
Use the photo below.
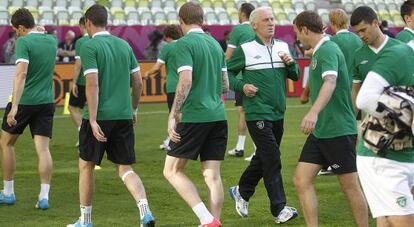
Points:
[(113, 206)]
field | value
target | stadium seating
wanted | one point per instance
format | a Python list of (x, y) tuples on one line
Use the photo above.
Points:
[(146, 12), (47, 16), (4, 16)]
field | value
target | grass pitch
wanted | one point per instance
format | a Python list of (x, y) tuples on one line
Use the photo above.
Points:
[(113, 206)]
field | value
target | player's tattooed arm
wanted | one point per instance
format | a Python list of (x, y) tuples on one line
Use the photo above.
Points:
[(181, 94), (225, 80), (182, 91)]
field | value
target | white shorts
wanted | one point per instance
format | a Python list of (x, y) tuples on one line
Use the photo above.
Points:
[(387, 185)]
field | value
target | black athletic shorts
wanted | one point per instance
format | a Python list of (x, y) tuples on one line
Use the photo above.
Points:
[(80, 100), (38, 117), (338, 152), (207, 140), (238, 97), (170, 100), (119, 146)]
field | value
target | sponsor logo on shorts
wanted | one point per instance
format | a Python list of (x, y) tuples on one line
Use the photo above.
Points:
[(260, 124), (257, 57), (335, 166), (364, 62), (402, 201)]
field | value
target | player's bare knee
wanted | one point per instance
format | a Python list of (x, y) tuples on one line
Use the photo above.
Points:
[(6, 142), (74, 109), (85, 165), (71, 108), (349, 183), (168, 174), (43, 150), (299, 181), (211, 176)]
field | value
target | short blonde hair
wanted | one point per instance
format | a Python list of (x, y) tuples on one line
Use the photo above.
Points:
[(339, 18)]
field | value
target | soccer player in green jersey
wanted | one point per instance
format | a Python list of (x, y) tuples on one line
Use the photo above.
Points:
[(365, 22), (32, 104), (239, 35), (197, 123), (266, 64), (167, 57), (330, 123), (347, 41), (110, 69), (407, 14), (387, 179), (77, 98)]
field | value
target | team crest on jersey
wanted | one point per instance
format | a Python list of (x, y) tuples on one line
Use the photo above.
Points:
[(402, 201), (314, 63), (260, 124)]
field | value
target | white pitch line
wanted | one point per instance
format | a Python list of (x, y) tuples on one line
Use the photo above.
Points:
[(166, 112)]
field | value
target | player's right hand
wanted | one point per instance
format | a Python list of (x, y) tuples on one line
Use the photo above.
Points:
[(134, 119), (11, 121), (309, 122), (304, 98), (175, 137), (75, 90), (250, 90), (97, 132)]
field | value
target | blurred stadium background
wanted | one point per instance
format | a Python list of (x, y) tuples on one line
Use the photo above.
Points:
[(133, 20), (158, 12)]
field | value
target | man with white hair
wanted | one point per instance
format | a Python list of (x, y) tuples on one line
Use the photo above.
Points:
[(266, 64), (66, 49)]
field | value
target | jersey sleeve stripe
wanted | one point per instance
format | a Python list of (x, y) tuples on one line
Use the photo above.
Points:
[(90, 71), (185, 67), (160, 61), (135, 70), (22, 60), (335, 73)]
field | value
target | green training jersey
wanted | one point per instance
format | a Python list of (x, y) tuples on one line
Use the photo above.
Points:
[(78, 45), (167, 57), (114, 62), (337, 117), (39, 51), (395, 66), (366, 56), (241, 34), (406, 35), (262, 67), (202, 54), (348, 42)]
